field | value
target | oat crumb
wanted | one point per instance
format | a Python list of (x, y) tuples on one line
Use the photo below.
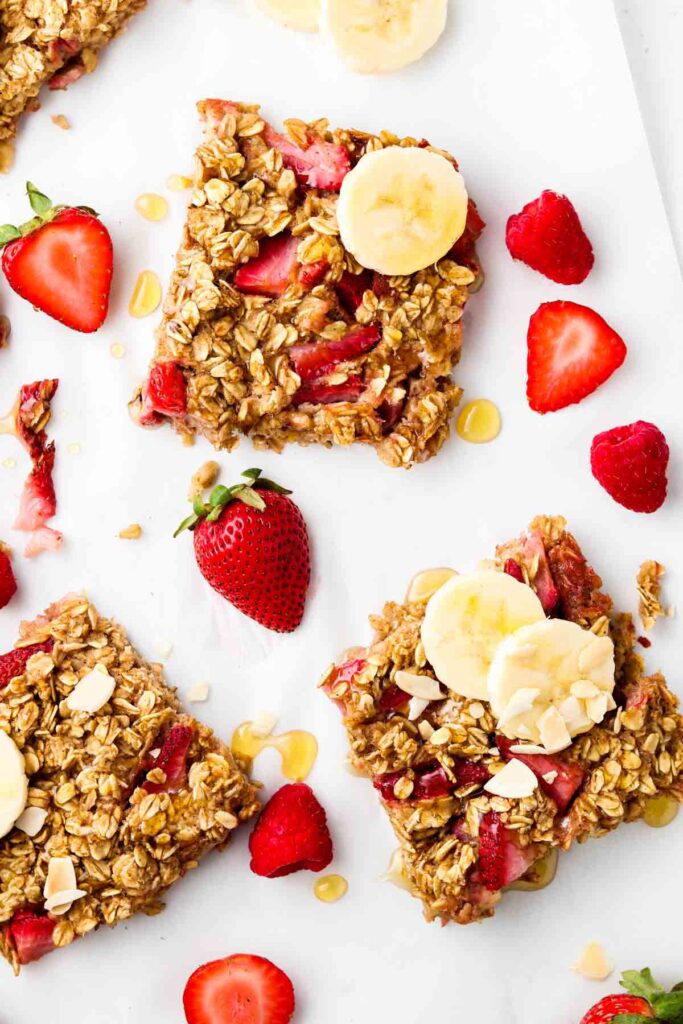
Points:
[(132, 532), (61, 121), (205, 476), (650, 589)]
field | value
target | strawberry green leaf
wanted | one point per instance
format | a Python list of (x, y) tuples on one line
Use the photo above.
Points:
[(250, 497), (252, 474), (641, 983), (187, 524), (215, 514), (220, 496), (8, 233), (269, 485), (631, 1018), (40, 204), (669, 1007), (198, 505)]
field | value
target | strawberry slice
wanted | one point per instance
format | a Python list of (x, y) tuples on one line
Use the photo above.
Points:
[(30, 932), (13, 663), (571, 352), (568, 779), (327, 394), (241, 989), (273, 270), (321, 165), (351, 288), (392, 698), (172, 759), (512, 568), (61, 262), (501, 859), (315, 360), (312, 274), (166, 391)]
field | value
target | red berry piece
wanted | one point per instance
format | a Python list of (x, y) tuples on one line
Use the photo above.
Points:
[(8, 583), (501, 859), (547, 235), (30, 932), (172, 760), (569, 777), (319, 393), (291, 834), (322, 165), (240, 989), (273, 270), (13, 663), (319, 358), (630, 463)]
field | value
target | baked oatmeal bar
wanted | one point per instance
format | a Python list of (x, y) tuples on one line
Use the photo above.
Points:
[(125, 792), (53, 43), (432, 759), (262, 278)]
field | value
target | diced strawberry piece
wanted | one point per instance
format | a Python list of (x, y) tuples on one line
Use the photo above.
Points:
[(471, 773), (514, 569), (318, 393), (351, 287), (172, 759), (391, 411), (214, 113), (30, 932), (13, 663), (32, 411), (166, 390), (571, 352), (429, 782), (392, 698), (240, 989), (313, 314), (69, 74), (568, 779), (463, 250), (8, 583), (43, 539), (62, 49), (501, 859), (291, 834), (380, 285), (543, 583), (38, 500), (315, 360), (312, 274), (273, 270), (321, 165), (345, 673)]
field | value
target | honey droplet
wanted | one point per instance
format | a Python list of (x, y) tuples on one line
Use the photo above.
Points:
[(151, 206), (298, 749), (117, 350), (660, 811), (178, 182), (330, 888), (479, 421), (74, 448), (9, 463), (146, 294)]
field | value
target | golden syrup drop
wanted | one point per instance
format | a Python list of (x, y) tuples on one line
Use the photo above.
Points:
[(151, 206), (178, 182), (331, 888), (146, 294), (74, 448), (9, 463), (298, 749), (479, 421), (660, 811), (117, 350)]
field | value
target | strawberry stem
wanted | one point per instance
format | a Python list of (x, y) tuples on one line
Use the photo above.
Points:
[(222, 496), (44, 211)]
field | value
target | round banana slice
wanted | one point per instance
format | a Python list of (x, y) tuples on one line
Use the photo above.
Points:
[(550, 681), (376, 36), (302, 15), (401, 209), (465, 622), (13, 784)]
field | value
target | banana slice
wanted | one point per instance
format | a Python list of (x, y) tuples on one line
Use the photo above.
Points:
[(465, 622), (375, 36), (13, 784), (550, 681), (401, 209), (302, 15)]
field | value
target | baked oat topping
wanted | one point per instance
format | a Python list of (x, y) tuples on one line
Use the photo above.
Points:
[(650, 590), (133, 793), (461, 844), (279, 333)]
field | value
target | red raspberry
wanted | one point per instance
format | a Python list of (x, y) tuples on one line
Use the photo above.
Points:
[(8, 584), (630, 462), (548, 237), (291, 834)]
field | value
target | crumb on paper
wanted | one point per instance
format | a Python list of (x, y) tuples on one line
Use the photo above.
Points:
[(5, 330), (132, 532), (164, 649), (593, 963), (650, 589), (61, 121), (6, 157), (199, 693), (205, 477)]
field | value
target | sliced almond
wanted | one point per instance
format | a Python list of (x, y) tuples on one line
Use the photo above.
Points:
[(198, 693), (553, 731), (61, 876), (425, 729), (416, 706), (61, 902), (593, 963), (419, 686), (263, 724), (31, 821), (514, 781), (527, 748), (583, 689), (596, 707), (92, 691), (549, 777), (426, 583), (395, 871), (521, 701)]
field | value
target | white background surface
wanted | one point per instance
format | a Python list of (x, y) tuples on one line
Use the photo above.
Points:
[(527, 98)]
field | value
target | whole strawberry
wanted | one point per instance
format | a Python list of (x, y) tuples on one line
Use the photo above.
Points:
[(8, 584), (251, 545), (647, 1000), (547, 235), (60, 261), (630, 462)]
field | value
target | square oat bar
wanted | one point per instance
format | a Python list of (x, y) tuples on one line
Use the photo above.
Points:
[(125, 792), (437, 758), (262, 278), (53, 43)]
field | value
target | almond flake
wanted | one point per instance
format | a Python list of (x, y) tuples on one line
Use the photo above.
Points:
[(515, 781), (426, 583), (395, 872), (164, 649), (416, 705), (583, 689), (61, 876), (62, 901), (597, 707), (574, 713), (477, 709), (553, 731), (92, 691), (593, 963), (520, 702), (527, 748), (419, 686), (549, 777), (426, 730), (263, 724), (31, 821), (198, 693)]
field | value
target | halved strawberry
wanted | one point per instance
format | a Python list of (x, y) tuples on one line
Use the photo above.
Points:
[(568, 778), (318, 393), (8, 583), (172, 759), (351, 288), (321, 165), (30, 932), (273, 270), (241, 989), (571, 352), (61, 261), (315, 360), (13, 663), (166, 391), (501, 859), (312, 274)]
